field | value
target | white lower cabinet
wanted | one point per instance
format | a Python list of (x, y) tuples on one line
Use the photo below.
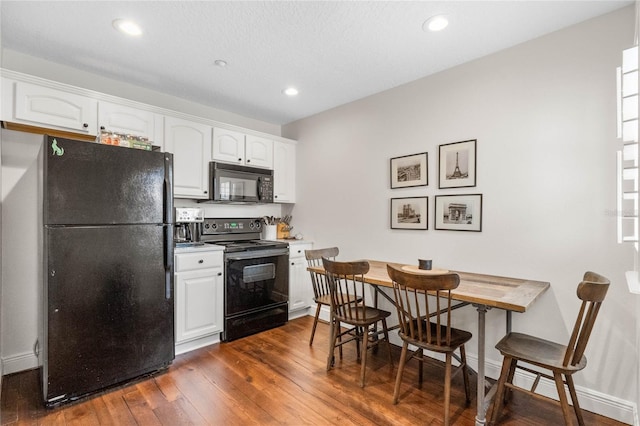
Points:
[(199, 299), (300, 289)]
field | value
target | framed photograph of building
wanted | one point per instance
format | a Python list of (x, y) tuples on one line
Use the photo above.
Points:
[(457, 164), (459, 212), (409, 170), (409, 213)]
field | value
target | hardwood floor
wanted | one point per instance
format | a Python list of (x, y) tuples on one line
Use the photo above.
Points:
[(271, 378)]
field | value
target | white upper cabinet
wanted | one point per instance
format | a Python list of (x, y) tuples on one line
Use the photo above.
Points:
[(127, 120), (284, 172), (47, 107), (258, 152), (190, 143), (228, 146), (234, 147)]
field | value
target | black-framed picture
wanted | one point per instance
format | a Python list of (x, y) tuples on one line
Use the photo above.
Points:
[(409, 170), (457, 164), (459, 212), (409, 213)]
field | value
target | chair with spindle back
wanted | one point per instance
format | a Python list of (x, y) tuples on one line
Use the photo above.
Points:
[(346, 286), (553, 357), (320, 287), (428, 327)]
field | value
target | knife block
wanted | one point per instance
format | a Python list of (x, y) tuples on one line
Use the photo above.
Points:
[(282, 234)]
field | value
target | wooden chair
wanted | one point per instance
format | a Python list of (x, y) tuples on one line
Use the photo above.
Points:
[(555, 358), (346, 285), (428, 327), (320, 287)]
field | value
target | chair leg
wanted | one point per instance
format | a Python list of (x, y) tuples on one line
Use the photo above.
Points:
[(365, 337), (420, 366), (447, 388), (403, 360), (315, 324), (339, 338), (562, 395), (332, 343), (574, 399), (512, 371), (358, 331), (499, 396), (465, 374), (386, 337)]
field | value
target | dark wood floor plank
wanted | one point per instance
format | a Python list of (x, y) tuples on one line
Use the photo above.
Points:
[(81, 414), (274, 377), (140, 410), (267, 389), (118, 408)]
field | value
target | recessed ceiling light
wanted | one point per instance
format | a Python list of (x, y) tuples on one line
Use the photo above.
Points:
[(290, 91), (435, 23), (128, 27), (220, 63)]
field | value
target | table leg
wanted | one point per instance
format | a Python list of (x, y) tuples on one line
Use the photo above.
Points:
[(480, 393)]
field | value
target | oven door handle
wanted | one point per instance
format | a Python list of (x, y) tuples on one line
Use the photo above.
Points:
[(257, 254)]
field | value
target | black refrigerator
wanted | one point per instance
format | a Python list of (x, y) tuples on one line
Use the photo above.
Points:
[(108, 266)]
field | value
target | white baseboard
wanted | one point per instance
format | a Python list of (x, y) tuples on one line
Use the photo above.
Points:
[(192, 345), (19, 362), (299, 313)]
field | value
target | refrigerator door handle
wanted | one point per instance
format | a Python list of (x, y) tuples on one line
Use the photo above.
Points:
[(168, 261), (168, 188)]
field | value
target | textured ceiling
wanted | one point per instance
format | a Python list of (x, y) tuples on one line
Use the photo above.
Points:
[(333, 52)]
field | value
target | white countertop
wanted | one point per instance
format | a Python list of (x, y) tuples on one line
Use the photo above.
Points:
[(204, 247)]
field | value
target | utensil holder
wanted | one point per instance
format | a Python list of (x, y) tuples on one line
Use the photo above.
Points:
[(269, 232)]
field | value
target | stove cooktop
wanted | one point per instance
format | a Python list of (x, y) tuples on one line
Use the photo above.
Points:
[(235, 246)]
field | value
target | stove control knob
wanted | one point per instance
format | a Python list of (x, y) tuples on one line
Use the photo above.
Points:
[(206, 226), (214, 226), (251, 225)]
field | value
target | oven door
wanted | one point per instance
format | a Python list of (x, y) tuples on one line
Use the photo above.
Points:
[(256, 280)]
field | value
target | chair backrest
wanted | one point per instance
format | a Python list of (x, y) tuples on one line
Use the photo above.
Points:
[(416, 310), (346, 286), (314, 258), (591, 291)]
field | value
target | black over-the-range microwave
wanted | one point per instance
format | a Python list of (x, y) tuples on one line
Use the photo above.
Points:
[(234, 183)]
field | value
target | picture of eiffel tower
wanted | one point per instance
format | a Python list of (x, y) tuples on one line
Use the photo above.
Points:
[(457, 173)]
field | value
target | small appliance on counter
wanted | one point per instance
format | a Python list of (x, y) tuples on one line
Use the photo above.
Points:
[(187, 229)]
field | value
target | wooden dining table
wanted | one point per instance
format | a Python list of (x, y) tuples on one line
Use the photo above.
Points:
[(483, 292)]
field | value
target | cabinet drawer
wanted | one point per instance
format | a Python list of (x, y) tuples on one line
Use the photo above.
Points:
[(194, 261), (297, 250)]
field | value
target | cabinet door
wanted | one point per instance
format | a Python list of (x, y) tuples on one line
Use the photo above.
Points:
[(258, 152), (190, 144), (284, 172), (49, 107), (123, 119), (300, 289), (199, 303), (228, 146)]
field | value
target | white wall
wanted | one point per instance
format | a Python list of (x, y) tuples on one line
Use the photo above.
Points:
[(543, 114), (21, 264)]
